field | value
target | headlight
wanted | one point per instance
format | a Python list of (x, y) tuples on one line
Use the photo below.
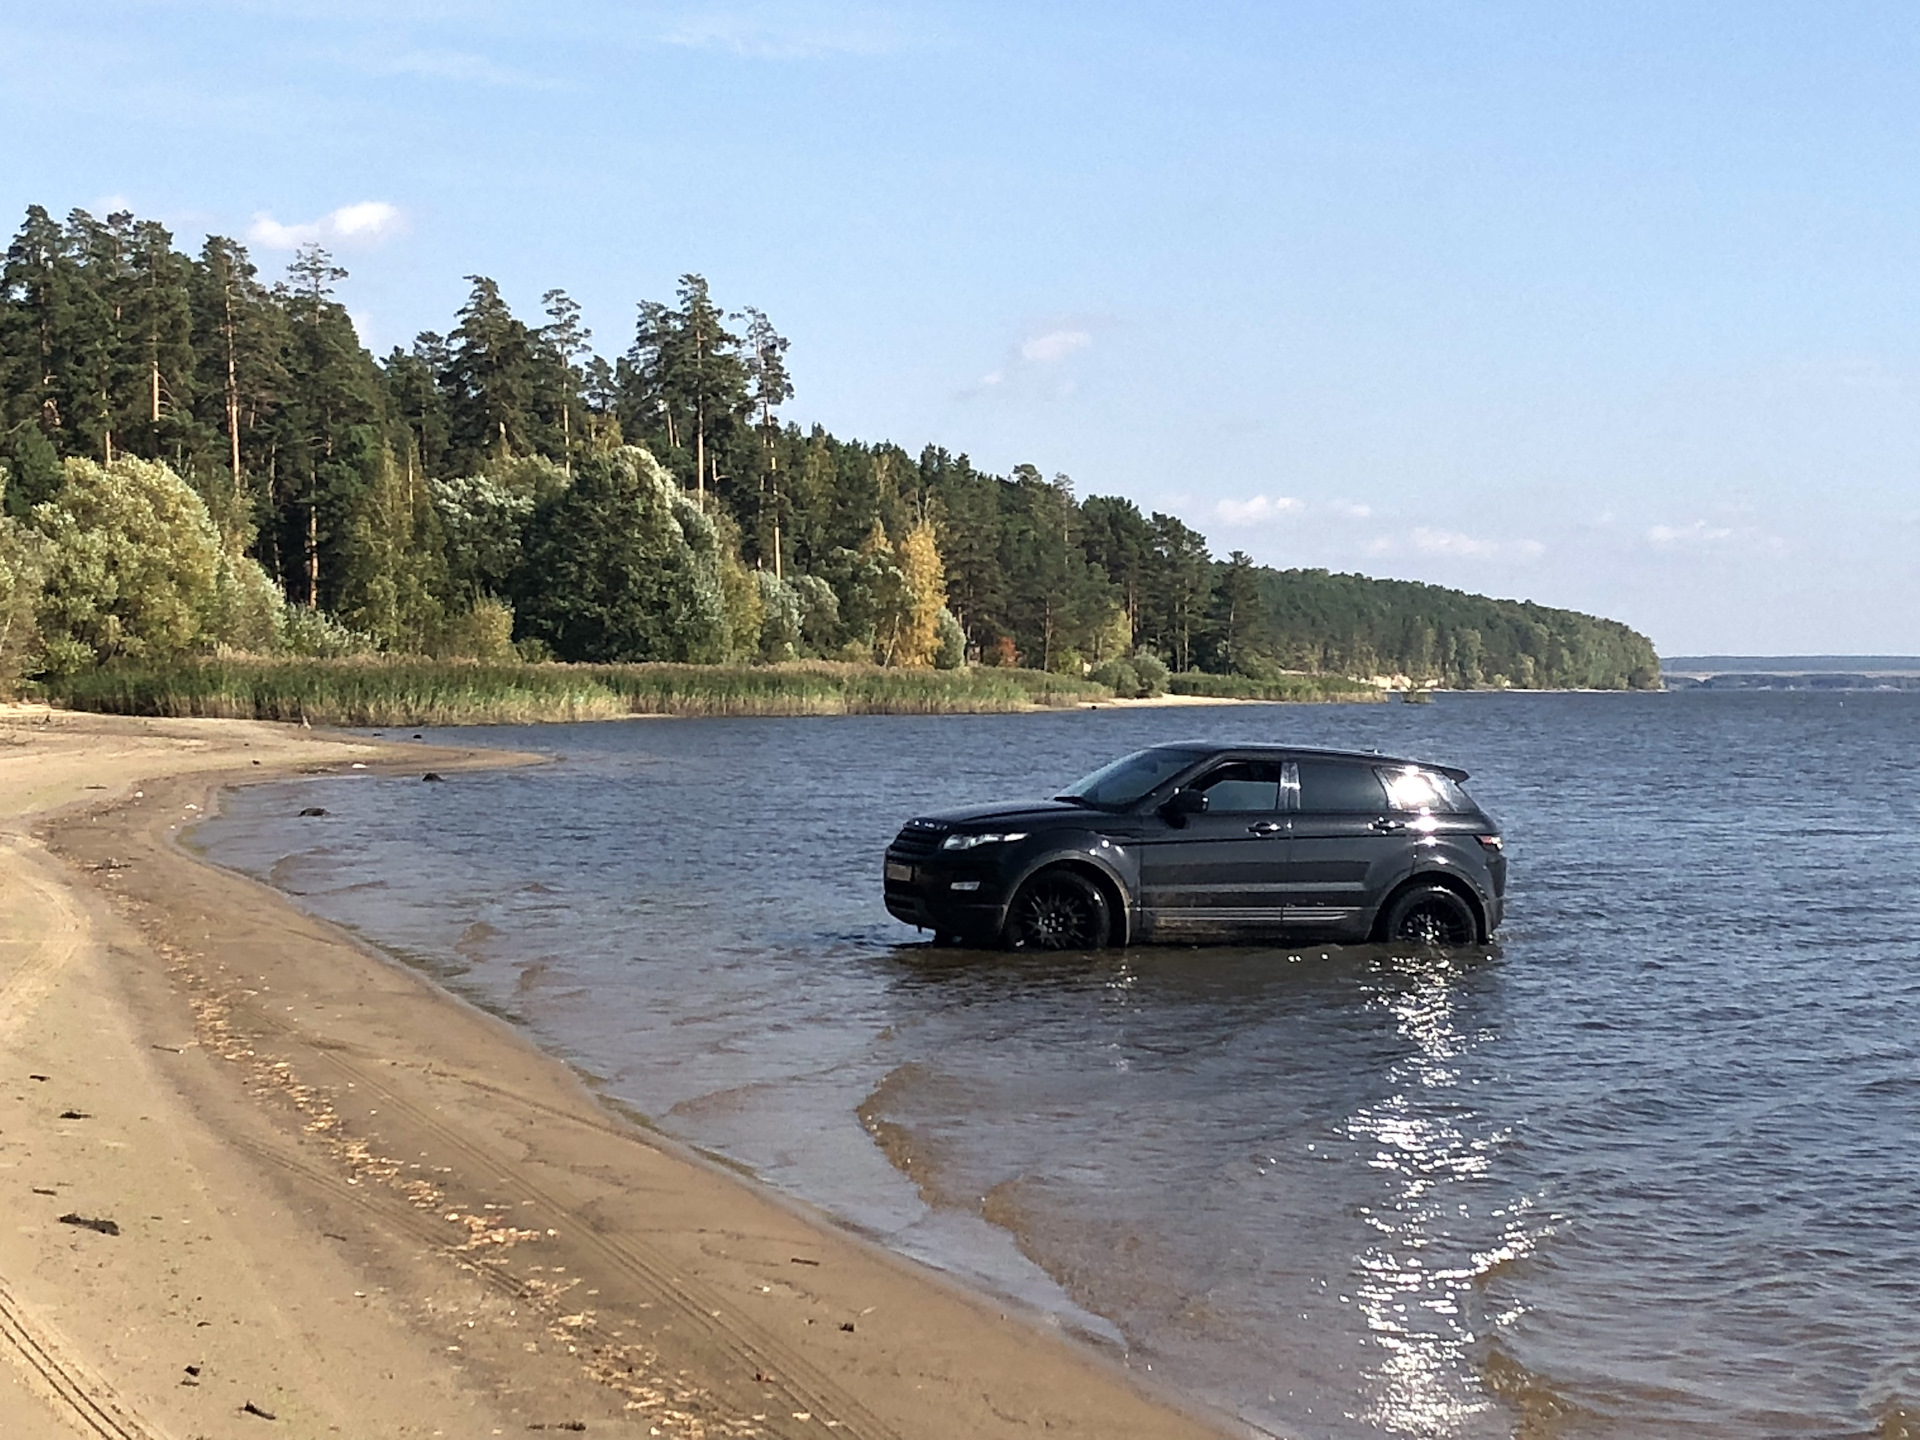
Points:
[(967, 842)]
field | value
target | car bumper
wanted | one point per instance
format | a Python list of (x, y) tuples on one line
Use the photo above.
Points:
[(928, 899)]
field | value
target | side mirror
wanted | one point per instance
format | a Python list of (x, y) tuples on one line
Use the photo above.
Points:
[(1183, 803)]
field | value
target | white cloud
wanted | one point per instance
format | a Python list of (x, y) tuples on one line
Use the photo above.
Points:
[(1346, 510), (1033, 366), (1705, 535), (1429, 541), (1054, 346), (459, 66), (368, 221), (792, 32), (1455, 544), (1260, 510)]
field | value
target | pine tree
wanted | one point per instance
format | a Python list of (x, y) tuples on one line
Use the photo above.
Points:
[(1235, 609), (686, 381), (771, 388), (239, 343), (490, 381), (563, 344), (329, 435)]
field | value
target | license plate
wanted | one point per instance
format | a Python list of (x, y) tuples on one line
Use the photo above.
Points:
[(897, 871)]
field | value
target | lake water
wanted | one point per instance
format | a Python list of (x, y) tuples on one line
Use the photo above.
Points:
[(1650, 1166)]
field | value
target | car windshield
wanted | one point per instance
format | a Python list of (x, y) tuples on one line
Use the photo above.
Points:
[(1120, 784)]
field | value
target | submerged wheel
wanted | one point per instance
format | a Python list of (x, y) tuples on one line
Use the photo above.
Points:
[(1430, 915), (1059, 910)]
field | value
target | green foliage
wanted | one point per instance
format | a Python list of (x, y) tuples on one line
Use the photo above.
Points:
[(1118, 676), (783, 615), (484, 631), (32, 471), (1279, 687), (1353, 625), (951, 653), (1137, 678), (1151, 671), (314, 634), (392, 691), (22, 567), (133, 562), (489, 462), (247, 612), (620, 566)]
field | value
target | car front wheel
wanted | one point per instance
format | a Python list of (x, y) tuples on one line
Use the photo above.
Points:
[(1430, 915), (1058, 910)]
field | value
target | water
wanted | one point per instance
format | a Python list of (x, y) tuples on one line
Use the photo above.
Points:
[(1647, 1168)]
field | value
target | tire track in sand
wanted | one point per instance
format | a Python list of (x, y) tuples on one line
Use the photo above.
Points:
[(698, 1310), (74, 1391), (41, 933)]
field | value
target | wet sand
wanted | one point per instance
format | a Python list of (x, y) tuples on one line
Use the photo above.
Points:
[(322, 1190)]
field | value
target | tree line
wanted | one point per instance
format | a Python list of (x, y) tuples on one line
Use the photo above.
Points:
[(505, 485)]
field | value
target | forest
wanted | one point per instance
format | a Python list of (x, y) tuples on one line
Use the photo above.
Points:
[(197, 459)]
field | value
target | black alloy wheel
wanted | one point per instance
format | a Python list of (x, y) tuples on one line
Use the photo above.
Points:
[(1431, 916), (1059, 910)]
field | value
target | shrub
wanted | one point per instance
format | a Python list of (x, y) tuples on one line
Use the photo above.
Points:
[(482, 632), (132, 563), (1119, 676), (951, 653), (1152, 672)]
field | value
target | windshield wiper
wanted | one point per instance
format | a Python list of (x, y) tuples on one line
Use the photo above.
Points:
[(1079, 800)]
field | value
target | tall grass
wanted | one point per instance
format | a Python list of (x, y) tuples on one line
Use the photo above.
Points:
[(1280, 687), (409, 691)]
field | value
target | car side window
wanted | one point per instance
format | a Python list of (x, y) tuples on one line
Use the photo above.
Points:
[(1339, 787), (1423, 792), (1240, 786)]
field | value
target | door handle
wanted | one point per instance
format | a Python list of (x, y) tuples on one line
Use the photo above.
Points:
[(1387, 827), (1266, 827)]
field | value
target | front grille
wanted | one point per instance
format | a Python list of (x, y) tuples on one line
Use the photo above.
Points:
[(919, 839)]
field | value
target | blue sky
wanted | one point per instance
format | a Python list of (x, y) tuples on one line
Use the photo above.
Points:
[(1610, 305)]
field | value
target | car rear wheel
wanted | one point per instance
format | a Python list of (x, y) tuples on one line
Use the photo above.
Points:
[(1430, 915), (1058, 910)]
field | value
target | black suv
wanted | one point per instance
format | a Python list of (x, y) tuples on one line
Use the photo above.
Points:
[(1202, 842)]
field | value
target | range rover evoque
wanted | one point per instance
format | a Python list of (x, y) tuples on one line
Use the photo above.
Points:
[(1189, 843)]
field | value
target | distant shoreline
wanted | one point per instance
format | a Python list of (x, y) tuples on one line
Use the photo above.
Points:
[(1697, 667)]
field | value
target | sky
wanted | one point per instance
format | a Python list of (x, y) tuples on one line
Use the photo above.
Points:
[(1607, 305)]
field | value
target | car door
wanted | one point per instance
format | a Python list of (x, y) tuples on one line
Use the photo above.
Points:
[(1347, 847), (1220, 873)]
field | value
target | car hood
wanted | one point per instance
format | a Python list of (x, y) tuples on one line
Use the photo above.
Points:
[(1020, 812)]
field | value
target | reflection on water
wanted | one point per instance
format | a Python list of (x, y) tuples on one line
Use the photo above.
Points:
[(1645, 1168)]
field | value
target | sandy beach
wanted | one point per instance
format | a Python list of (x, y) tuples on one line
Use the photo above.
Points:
[(260, 1180)]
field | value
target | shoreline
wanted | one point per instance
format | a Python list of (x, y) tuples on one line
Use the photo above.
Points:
[(348, 1198)]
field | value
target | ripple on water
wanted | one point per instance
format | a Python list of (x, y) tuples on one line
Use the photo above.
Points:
[(1648, 1168)]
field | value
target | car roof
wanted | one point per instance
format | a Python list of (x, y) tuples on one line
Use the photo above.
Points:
[(1372, 757)]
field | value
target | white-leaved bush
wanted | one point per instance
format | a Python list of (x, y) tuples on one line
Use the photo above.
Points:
[(123, 563)]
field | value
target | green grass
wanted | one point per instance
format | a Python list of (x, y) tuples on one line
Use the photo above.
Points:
[(410, 691), (1283, 687)]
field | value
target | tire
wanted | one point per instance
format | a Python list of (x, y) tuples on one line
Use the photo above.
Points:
[(1432, 916), (1059, 910)]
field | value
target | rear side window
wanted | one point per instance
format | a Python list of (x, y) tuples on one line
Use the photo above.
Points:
[(1424, 791), (1333, 787)]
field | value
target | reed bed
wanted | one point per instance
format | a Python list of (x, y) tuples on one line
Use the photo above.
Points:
[(409, 691), (1290, 687)]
